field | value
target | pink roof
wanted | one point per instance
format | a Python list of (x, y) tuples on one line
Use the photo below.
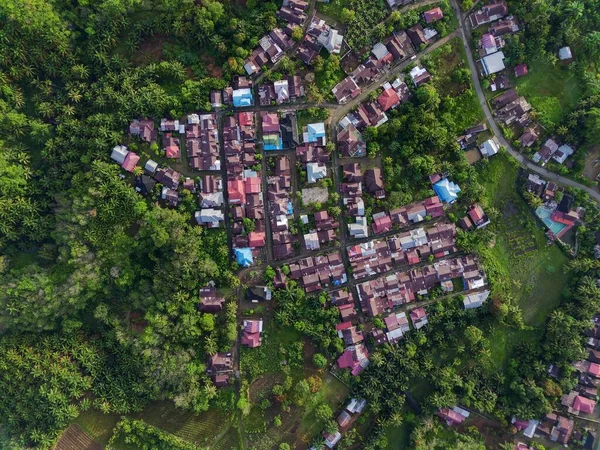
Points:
[(346, 359), (252, 185), (594, 370), (388, 99), (433, 14), (173, 151), (251, 339), (245, 119), (584, 405), (130, 161), (521, 70), (413, 257), (451, 416), (521, 424), (256, 239), (417, 314), (237, 194), (435, 200), (488, 40), (270, 123)]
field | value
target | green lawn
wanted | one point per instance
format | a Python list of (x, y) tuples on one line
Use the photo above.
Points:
[(399, 436), (529, 270), (333, 9), (98, 425), (552, 91), (333, 392)]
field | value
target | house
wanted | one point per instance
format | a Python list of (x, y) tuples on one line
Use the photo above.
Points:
[(315, 171), (150, 167), (491, 12), (209, 301), (521, 70), (447, 191), (242, 97), (351, 143), (243, 256), (504, 26), (578, 404), (535, 184), (209, 217), (119, 153), (359, 229), (251, 335), (388, 99), (490, 147), (556, 428), (565, 54), (419, 75), (477, 216), (493, 63), (418, 317), (374, 183), (528, 138), (351, 335), (130, 161), (168, 177), (355, 358), (344, 419), (453, 416), (345, 90), (169, 125), (144, 184), (475, 300), (546, 152), (417, 35), (560, 155), (171, 146), (381, 223), (311, 241), (433, 15), (315, 132), (331, 439)]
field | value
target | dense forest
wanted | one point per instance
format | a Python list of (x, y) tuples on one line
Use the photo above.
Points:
[(98, 298)]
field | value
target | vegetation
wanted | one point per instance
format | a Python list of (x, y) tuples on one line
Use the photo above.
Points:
[(141, 435)]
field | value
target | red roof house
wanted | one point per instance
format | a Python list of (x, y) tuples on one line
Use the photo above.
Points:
[(388, 99), (245, 119), (594, 370), (130, 162), (521, 70), (433, 15), (434, 207), (450, 416), (237, 193), (256, 239)]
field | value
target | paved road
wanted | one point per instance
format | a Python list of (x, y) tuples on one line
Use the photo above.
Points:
[(465, 36)]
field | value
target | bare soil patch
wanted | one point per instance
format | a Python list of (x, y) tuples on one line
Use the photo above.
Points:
[(592, 163)]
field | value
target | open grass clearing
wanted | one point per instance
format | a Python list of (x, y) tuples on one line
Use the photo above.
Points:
[(552, 90), (530, 270)]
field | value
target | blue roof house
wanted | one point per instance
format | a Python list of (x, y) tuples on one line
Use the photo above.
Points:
[(315, 132), (243, 256), (242, 97), (447, 191)]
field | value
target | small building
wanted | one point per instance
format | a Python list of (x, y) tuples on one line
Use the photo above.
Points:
[(433, 15), (478, 216), (315, 132), (565, 54), (209, 301), (315, 171), (251, 335), (521, 70), (453, 416), (418, 317), (419, 75), (150, 166), (242, 97), (243, 256), (490, 147)]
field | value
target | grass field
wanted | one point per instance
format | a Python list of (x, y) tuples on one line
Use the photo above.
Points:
[(552, 91), (459, 99), (531, 271), (97, 425)]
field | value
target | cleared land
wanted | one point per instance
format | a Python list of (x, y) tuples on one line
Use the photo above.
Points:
[(552, 90)]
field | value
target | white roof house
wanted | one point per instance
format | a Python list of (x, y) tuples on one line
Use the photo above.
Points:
[(211, 200), (315, 171), (416, 72), (282, 90), (490, 147), (119, 153), (311, 241), (209, 217), (151, 166), (331, 40), (475, 300), (565, 54), (493, 63), (562, 153), (193, 119), (359, 229), (379, 51)]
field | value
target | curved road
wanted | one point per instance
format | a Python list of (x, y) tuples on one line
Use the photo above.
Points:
[(488, 114)]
